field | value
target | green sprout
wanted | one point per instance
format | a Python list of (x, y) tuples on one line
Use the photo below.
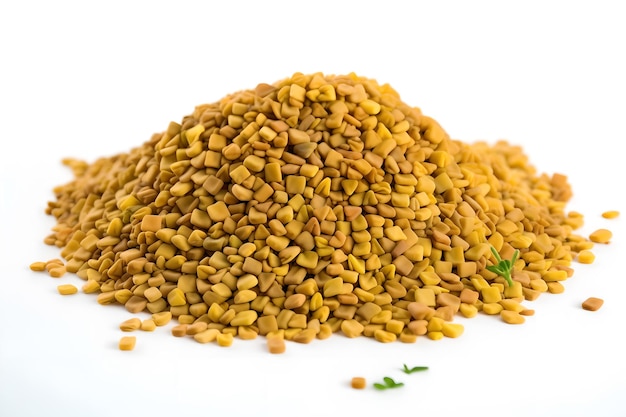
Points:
[(504, 267), (408, 370), (388, 383)]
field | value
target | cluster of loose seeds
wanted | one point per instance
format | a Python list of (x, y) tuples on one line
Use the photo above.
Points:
[(311, 206)]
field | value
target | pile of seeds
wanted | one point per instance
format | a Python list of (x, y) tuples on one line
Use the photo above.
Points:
[(314, 205)]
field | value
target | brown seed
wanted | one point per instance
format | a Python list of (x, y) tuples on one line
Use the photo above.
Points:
[(592, 304)]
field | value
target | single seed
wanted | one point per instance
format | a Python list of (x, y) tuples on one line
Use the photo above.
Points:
[(67, 289), (358, 382), (127, 343), (611, 214), (586, 257), (601, 236), (130, 325), (592, 304)]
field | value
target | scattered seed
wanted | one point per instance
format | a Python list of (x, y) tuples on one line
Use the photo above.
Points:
[(601, 236), (358, 382), (127, 343), (611, 214), (67, 289), (592, 304)]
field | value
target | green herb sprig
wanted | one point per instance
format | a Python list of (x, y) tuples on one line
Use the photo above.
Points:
[(388, 383), (409, 371), (504, 267)]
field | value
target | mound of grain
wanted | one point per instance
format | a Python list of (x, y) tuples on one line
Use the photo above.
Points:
[(314, 205)]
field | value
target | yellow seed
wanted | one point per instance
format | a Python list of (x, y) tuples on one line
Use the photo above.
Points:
[(611, 214), (358, 382), (586, 257), (435, 335), (244, 318), (254, 163), (491, 294), (148, 325), (384, 336), (38, 266), (512, 317), (276, 345), (225, 339), (91, 286), (352, 328), (176, 297), (492, 308), (333, 287), (57, 272), (452, 329), (127, 343), (67, 289), (601, 236), (206, 336), (162, 318), (130, 325)]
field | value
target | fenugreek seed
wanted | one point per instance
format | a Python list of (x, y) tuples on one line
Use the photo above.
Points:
[(127, 343), (195, 328), (57, 272), (592, 303), (276, 345), (254, 163), (176, 297), (162, 318), (244, 296), (218, 211), (492, 308), (152, 294), (225, 339), (38, 266), (358, 382), (333, 287), (179, 330), (491, 294), (206, 336), (611, 214), (352, 328), (148, 325), (384, 336), (305, 336), (452, 329), (512, 317), (67, 289), (601, 236), (244, 318), (294, 301), (91, 286), (130, 325)]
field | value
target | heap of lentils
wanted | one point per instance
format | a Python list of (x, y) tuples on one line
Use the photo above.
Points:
[(314, 205)]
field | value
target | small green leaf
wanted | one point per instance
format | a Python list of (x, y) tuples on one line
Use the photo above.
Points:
[(503, 267), (388, 383), (408, 370)]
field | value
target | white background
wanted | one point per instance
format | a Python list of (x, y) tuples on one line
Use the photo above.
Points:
[(89, 79)]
